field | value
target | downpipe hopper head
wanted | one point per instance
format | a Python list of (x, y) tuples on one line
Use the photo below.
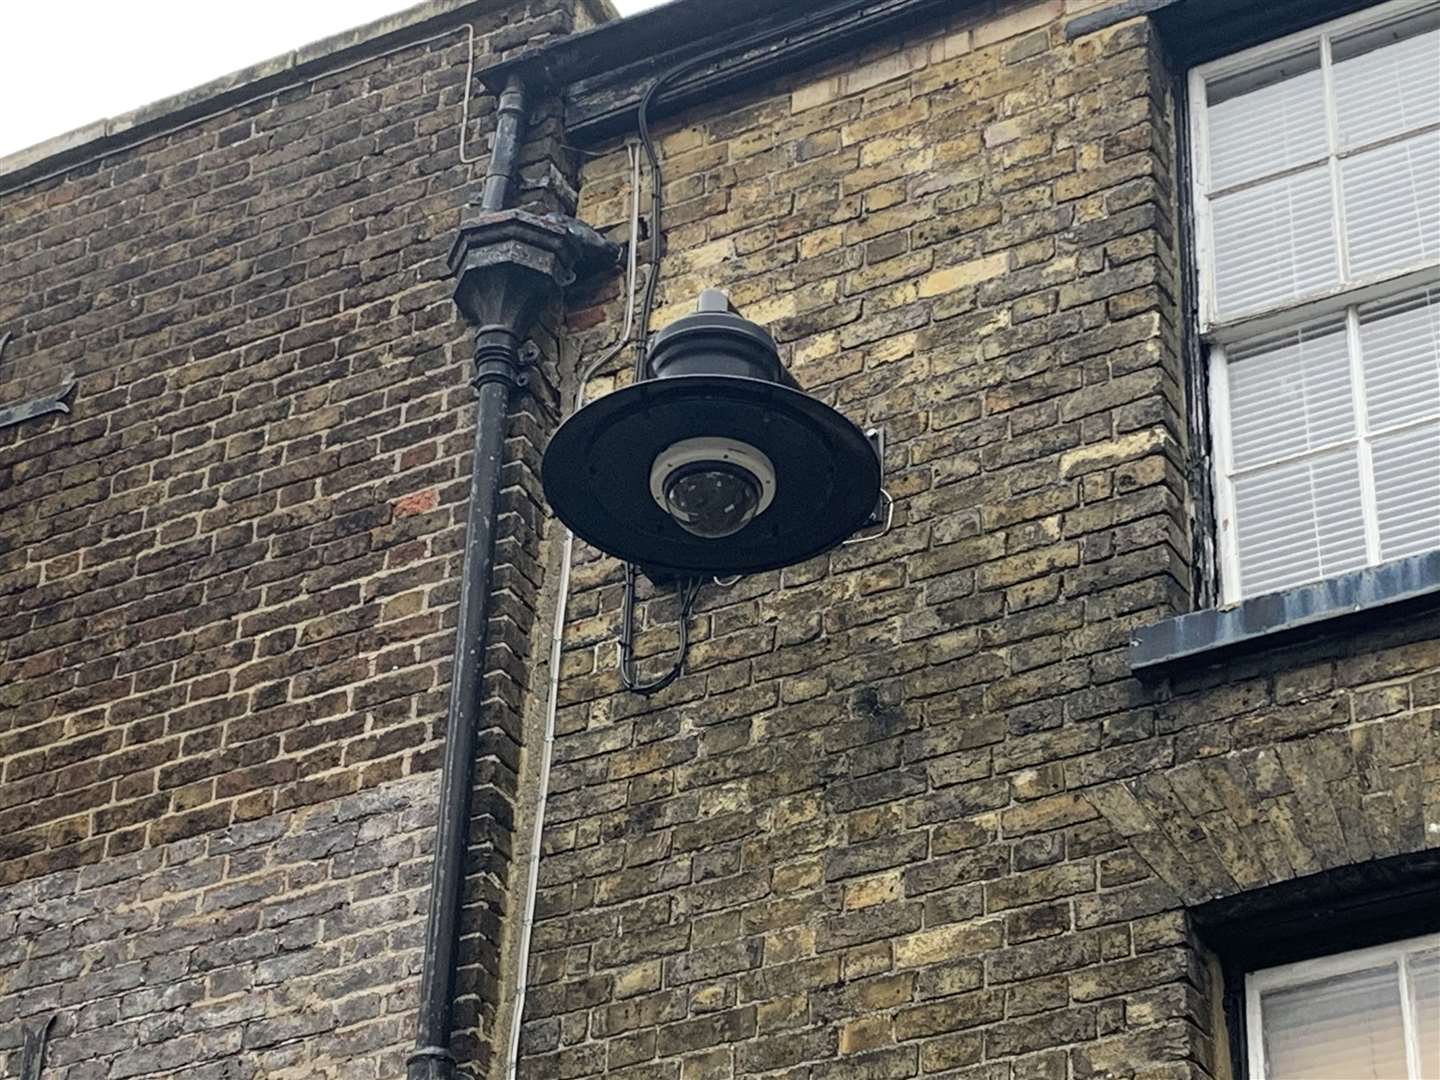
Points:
[(717, 463), (509, 265)]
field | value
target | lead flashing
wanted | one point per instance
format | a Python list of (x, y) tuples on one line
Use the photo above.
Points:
[(603, 73), (1106, 17), (1264, 621)]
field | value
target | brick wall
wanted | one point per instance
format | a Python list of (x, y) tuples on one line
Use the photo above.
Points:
[(227, 579), (909, 812), (281, 947)]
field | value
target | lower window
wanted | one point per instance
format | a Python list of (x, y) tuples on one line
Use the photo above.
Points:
[(1370, 1014)]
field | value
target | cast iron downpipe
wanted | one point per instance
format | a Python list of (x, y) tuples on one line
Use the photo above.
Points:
[(497, 373)]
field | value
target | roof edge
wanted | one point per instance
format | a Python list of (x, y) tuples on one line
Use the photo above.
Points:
[(678, 25), (57, 155), (602, 73)]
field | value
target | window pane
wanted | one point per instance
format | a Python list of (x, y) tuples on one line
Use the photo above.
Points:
[(1290, 393), (1274, 241), (1425, 1007), (1400, 343), (1265, 121), (1407, 490), (1299, 521), (1345, 1028), (1387, 80), (1392, 205)]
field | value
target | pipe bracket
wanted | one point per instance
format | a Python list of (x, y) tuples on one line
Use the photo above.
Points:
[(32, 1058)]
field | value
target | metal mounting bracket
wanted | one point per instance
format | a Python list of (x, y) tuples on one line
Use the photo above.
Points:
[(883, 516), (39, 406), (32, 1057), (884, 505)]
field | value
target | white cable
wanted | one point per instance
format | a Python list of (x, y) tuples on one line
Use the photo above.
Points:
[(557, 634), (884, 527), (465, 102)]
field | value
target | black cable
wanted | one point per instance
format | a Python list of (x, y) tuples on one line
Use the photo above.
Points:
[(657, 183), (657, 205), (730, 48), (689, 591)]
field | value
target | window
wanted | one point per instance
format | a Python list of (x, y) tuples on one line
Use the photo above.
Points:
[(1373, 1014), (1317, 195)]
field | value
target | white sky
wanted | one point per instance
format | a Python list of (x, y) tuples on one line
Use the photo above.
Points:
[(69, 62)]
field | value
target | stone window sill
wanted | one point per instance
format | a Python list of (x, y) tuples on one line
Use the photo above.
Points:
[(1261, 622)]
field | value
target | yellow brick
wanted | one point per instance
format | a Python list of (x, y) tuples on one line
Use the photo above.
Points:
[(878, 198), (828, 369), (887, 299), (707, 255), (816, 348), (895, 66), (789, 945), (684, 305), (751, 143), (891, 119), (709, 999), (814, 94), (939, 282), (867, 960), (781, 1013), (884, 151), (639, 979), (778, 307), (403, 606), (866, 1034), (1112, 451), (798, 877), (950, 73), (965, 151), (678, 142), (877, 995), (950, 46), (891, 349), (876, 890), (1005, 131), (948, 943), (1018, 22), (822, 241), (604, 212), (795, 810)]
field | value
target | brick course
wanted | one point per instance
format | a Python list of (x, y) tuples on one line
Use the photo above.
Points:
[(279, 947), (908, 812), (228, 578)]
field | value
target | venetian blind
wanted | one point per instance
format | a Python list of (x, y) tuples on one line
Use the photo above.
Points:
[(1350, 1027), (1323, 168), (1378, 1021), (1320, 174)]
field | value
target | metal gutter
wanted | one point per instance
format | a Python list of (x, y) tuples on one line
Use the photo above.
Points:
[(495, 378), (509, 265), (1199, 30), (603, 73), (680, 24)]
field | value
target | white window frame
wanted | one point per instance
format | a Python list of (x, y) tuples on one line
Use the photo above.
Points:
[(1333, 300), (1275, 978)]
